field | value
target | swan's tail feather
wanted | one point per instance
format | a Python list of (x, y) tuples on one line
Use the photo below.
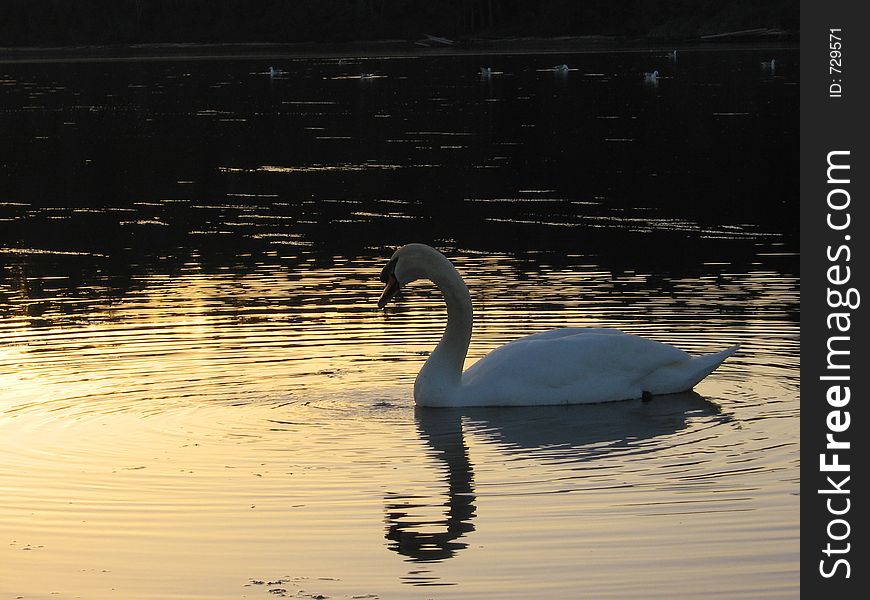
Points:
[(704, 365), (683, 376)]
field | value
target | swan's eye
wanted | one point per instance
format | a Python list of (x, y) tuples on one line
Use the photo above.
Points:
[(388, 270)]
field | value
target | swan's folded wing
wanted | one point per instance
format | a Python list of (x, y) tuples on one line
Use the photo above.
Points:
[(569, 366)]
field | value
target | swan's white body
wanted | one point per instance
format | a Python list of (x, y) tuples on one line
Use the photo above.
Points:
[(769, 65), (561, 366), (485, 72), (651, 77)]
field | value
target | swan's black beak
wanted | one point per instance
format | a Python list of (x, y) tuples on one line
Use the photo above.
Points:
[(391, 285)]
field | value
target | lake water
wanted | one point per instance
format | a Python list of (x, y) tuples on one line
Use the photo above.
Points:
[(199, 399)]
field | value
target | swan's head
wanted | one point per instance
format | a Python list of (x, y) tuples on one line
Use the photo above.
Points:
[(409, 263)]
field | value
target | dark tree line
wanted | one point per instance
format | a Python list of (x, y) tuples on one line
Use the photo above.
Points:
[(85, 22)]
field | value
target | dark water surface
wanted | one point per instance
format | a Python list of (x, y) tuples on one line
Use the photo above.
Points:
[(199, 399)]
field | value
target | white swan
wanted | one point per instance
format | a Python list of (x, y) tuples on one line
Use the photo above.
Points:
[(273, 72), (769, 65), (651, 77), (560, 366), (562, 69), (485, 72)]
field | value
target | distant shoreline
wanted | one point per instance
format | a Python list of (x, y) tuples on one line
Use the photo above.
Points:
[(377, 49)]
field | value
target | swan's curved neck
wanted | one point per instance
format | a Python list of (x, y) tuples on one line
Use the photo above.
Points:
[(442, 372)]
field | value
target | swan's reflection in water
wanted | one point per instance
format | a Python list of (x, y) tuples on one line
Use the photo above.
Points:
[(567, 434), (423, 540)]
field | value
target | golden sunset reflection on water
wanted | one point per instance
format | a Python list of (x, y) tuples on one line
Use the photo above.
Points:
[(208, 434)]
